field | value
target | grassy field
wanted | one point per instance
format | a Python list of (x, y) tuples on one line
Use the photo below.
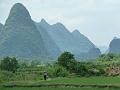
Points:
[(37, 88), (85, 80), (69, 82), (75, 80), (88, 83)]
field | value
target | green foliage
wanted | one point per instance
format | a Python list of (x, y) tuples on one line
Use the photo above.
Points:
[(66, 66), (108, 57), (60, 72), (80, 68), (9, 64), (5, 76), (65, 59), (55, 70)]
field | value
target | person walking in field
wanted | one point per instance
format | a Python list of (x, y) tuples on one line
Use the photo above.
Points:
[(45, 75)]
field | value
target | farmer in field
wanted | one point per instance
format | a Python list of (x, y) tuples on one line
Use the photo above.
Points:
[(45, 75)]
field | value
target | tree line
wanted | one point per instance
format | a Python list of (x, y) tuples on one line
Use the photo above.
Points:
[(65, 65)]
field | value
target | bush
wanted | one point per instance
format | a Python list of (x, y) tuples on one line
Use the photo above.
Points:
[(60, 72), (57, 71), (5, 76), (81, 69)]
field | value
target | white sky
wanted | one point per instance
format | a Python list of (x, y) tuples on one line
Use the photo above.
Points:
[(99, 20)]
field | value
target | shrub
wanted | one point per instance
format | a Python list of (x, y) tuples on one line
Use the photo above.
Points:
[(5, 76), (60, 72)]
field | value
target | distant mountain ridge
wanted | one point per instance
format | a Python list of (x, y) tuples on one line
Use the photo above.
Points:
[(114, 46), (50, 45), (1, 27), (83, 41), (22, 37), (73, 42)]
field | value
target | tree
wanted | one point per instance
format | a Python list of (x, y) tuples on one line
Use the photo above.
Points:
[(65, 59), (9, 64), (14, 64), (5, 63)]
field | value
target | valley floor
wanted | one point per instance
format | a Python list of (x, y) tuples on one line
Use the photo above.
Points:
[(74, 83), (45, 88)]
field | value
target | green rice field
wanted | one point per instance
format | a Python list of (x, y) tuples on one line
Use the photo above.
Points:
[(85, 80), (45, 88), (89, 83)]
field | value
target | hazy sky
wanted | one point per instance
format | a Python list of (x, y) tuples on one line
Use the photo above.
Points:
[(99, 20)]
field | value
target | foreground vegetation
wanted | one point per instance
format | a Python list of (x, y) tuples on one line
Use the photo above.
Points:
[(73, 81), (45, 88), (66, 71), (86, 80)]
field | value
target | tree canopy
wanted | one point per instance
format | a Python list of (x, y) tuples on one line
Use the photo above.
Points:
[(9, 64)]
